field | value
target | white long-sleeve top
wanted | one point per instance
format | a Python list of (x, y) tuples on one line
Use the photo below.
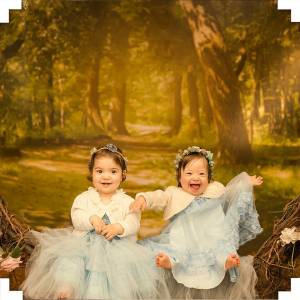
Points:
[(89, 203), (174, 199)]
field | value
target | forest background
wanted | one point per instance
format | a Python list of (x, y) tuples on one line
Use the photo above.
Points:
[(153, 77)]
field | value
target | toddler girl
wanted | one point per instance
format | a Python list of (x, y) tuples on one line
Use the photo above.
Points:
[(208, 223), (99, 258)]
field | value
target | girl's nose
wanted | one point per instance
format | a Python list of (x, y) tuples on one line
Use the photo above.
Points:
[(106, 175), (196, 177)]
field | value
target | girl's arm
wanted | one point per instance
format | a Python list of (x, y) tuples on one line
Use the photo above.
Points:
[(80, 215), (131, 224), (156, 200)]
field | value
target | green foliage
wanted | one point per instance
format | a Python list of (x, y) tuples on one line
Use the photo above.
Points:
[(16, 252), (10, 169)]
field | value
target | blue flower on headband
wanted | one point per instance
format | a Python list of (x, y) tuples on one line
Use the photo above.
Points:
[(111, 148)]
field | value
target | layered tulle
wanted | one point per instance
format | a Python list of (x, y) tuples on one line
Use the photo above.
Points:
[(91, 268), (240, 212), (128, 271), (242, 289)]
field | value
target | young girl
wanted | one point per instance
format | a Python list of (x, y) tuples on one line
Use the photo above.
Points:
[(208, 223), (99, 258)]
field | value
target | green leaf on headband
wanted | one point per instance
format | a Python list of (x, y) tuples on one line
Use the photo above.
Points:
[(1, 252), (16, 252)]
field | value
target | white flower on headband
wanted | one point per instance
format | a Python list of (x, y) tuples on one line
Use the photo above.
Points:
[(289, 235), (93, 151), (195, 149)]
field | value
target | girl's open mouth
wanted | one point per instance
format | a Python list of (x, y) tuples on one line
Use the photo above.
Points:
[(195, 186)]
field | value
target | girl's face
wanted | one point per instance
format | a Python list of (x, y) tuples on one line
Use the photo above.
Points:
[(194, 177), (107, 176)]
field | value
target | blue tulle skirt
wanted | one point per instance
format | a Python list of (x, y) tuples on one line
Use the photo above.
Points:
[(91, 268), (199, 239)]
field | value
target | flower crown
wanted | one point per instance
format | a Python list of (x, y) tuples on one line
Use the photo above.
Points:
[(110, 147), (195, 149)]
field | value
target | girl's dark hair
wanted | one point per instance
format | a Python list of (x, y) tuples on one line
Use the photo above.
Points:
[(186, 159), (117, 156)]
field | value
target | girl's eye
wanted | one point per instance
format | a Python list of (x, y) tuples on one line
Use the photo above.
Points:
[(114, 171), (99, 171), (189, 173)]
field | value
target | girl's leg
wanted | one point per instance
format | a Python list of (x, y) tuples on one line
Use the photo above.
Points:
[(69, 277), (66, 292), (163, 261)]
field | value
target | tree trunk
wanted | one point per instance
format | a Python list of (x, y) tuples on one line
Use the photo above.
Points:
[(257, 77), (271, 96), (62, 115), (177, 103), (42, 117), (29, 121), (297, 116), (10, 51), (257, 99), (289, 116), (221, 82), (204, 98), (193, 101), (119, 41), (50, 96), (93, 95)]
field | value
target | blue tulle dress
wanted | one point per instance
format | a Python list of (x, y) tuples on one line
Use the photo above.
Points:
[(199, 239), (92, 267)]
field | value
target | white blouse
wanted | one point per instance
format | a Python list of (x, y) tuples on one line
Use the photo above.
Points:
[(89, 203)]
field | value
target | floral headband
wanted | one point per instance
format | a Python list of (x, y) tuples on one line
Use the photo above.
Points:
[(110, 147), (195, 149)]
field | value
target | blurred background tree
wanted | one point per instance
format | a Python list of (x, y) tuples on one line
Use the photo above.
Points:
[(220, 73)]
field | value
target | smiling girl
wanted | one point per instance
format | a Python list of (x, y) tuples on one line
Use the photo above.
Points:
[(99, 258), (208, 223)]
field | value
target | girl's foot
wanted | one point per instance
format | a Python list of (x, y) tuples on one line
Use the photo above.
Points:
[(232, 261), (65, 293), (163, 261)]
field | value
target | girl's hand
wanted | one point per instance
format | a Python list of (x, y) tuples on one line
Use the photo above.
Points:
[(138, 205), (232, 260), (256, 180), (97, 223), (9, 264), (111, 230)]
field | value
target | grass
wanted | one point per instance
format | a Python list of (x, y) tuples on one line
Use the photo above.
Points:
[(10, 169)]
